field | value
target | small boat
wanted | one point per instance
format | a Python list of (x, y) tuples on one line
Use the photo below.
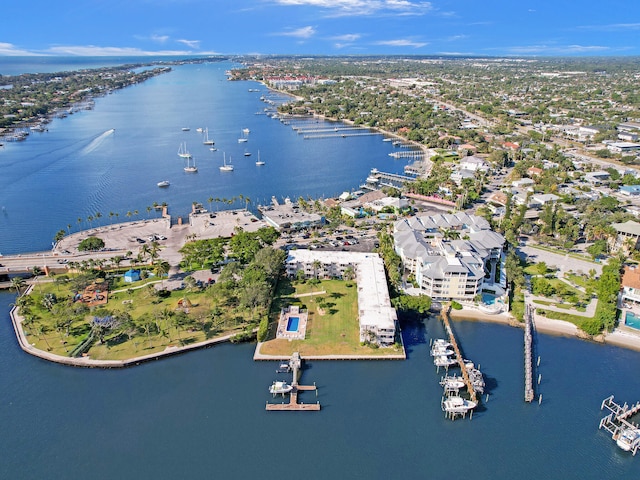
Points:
[(183, 152), (452, 383), (245, 131), (437, 351), (284, 367), (206, 140), (199, 130), (629, 438), (247, 154), (259, 162), (280, 387), (185, 129), (224, 167), (164, 183), (459, 405), (444, 361), (213, 149)]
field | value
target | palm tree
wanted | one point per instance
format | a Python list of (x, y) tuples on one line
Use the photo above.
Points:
[(17, 283), (217, 200), (210, 201), (129, 214), (69, 228), (111, 215), (161, 269), (316, 266), (98, 216), (90, 219), (149, 211), (79, 222), (135, 213)]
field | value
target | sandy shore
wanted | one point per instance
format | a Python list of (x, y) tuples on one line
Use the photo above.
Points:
[(620, 337)]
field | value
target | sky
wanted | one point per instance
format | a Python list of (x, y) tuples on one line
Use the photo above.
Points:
[(320, 27)]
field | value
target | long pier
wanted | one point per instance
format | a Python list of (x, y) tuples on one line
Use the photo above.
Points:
[(338, 134), (295, 363), (616, 422), (456, 349), (407, 154), (529, 392)]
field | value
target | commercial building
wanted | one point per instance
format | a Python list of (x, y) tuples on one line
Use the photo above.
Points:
[(452, 256), (376, 317)]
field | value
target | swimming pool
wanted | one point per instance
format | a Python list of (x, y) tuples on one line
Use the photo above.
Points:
[(488, 299), (292, 324), (630, 320)]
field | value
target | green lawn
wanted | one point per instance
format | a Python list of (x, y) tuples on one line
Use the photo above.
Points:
[(335, 332)]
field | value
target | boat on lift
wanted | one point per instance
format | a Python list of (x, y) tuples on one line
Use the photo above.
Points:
[(629, 438), (457, 405), (280, 388), (444, 361)]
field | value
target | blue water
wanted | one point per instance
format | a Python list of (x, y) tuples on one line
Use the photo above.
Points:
[(201, 415), (292, 324), (488, 298), (630, 320)]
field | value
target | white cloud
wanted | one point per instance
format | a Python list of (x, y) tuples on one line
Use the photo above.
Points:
[(364, 7), (612, 27), (555, 49), (10, 50), (401, 43), (303, 32), (95, 51), (160, 38), (190, 43), (453, 38), (348, 37)]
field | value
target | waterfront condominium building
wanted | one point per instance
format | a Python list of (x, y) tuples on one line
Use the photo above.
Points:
[(451, 256), (376, 317)]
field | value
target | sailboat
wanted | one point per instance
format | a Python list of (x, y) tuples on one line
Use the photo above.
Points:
[(183, 152), (259, 162), (243, 138), (190, 168), (225, 167), (206, 138)]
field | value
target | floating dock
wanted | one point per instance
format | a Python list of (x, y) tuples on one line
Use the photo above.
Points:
[(616, 422), (296, 363)]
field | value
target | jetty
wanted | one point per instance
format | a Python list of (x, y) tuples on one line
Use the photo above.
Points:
[(463, 367), (529, 392), (617, 423), (295, 363)]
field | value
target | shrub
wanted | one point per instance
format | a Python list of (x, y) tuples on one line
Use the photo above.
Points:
[(455, 305)]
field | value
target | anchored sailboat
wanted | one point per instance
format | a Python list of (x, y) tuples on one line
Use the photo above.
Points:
[(224, 167)]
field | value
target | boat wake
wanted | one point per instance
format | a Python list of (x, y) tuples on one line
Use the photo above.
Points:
[(96, 142)]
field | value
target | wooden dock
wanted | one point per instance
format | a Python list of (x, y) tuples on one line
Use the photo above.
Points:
[(616, 422), (529, 392), (293, 405), (456, 349)]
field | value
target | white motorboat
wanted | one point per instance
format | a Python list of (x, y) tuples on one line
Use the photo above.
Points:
[(246, 131), (437, 350), (185, 129), (280, 388), (459, 405), (199, 130), (452, 383), (164, 183), (444, 361), (629, 438), (226, 167)]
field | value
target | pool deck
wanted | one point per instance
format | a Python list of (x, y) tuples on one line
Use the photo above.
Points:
[(283, 324)]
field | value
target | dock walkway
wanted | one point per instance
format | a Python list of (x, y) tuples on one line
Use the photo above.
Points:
[(456, 349), (529, 392)]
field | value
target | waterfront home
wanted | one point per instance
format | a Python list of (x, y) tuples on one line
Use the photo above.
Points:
[(376, 317), (627, 236), (452, 256), (630, 286)]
